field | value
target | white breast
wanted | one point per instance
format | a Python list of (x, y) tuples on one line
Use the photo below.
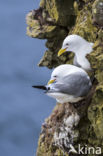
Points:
[(63, 98)]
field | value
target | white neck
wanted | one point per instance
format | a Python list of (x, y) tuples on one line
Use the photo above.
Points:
[(81, 56), (83, 61), (83, 51)]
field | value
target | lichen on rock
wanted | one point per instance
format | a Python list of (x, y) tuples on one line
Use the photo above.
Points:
[(60, 12), (97, 10), (53, 21)]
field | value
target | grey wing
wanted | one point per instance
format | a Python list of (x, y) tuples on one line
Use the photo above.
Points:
[(77, 84)]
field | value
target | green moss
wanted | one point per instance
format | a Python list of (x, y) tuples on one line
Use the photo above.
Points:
[(60, 11), (84, 26), (42, 3), (97, 11), (35, 30), (91, 124), (50, 23), (96, 59), (95, 114)]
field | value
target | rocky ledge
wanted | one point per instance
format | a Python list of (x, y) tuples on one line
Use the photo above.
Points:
[(81, 123)]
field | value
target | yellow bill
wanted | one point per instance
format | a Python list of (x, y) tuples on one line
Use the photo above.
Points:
[(51, 81), (61, 51)]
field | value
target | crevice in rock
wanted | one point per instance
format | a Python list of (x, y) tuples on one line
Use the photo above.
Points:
[(90, 110), (47, 20)]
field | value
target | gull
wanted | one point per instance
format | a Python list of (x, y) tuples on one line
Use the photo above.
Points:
[(80, 47), (68, 83)]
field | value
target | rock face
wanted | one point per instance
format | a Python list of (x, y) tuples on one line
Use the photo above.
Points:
[(81, 123), (98, 12), (51, 21)]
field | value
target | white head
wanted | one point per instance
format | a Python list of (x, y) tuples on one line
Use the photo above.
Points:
[(76, 44), (57, 74), (61, 71)]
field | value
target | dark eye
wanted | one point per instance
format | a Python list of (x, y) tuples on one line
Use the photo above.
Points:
[(55, 76), (67, 44)]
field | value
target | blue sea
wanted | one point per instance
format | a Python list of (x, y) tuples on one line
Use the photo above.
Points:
[(23, 109)]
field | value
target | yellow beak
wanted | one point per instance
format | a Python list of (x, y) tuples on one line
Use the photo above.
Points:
[(51, 81), (61, 51)]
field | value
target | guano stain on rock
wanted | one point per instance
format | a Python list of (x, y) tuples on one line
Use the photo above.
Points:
[(53, 21)]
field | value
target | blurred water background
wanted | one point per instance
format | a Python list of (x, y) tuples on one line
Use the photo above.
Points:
[(22, 108)]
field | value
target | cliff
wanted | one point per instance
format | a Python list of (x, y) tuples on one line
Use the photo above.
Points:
[(81, 123)]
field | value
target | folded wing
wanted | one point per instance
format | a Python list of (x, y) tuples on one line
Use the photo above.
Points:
[(77, 84)]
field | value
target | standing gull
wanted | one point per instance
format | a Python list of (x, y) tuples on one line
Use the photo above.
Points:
[(68, 83), (80, 47)]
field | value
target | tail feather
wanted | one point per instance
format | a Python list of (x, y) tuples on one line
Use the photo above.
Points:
[(40, 87)]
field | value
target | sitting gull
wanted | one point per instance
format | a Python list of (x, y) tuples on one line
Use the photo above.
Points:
[(68, 83), (80, 47)]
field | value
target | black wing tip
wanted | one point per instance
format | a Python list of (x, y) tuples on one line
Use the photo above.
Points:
[(34, 86), (40, 87)]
